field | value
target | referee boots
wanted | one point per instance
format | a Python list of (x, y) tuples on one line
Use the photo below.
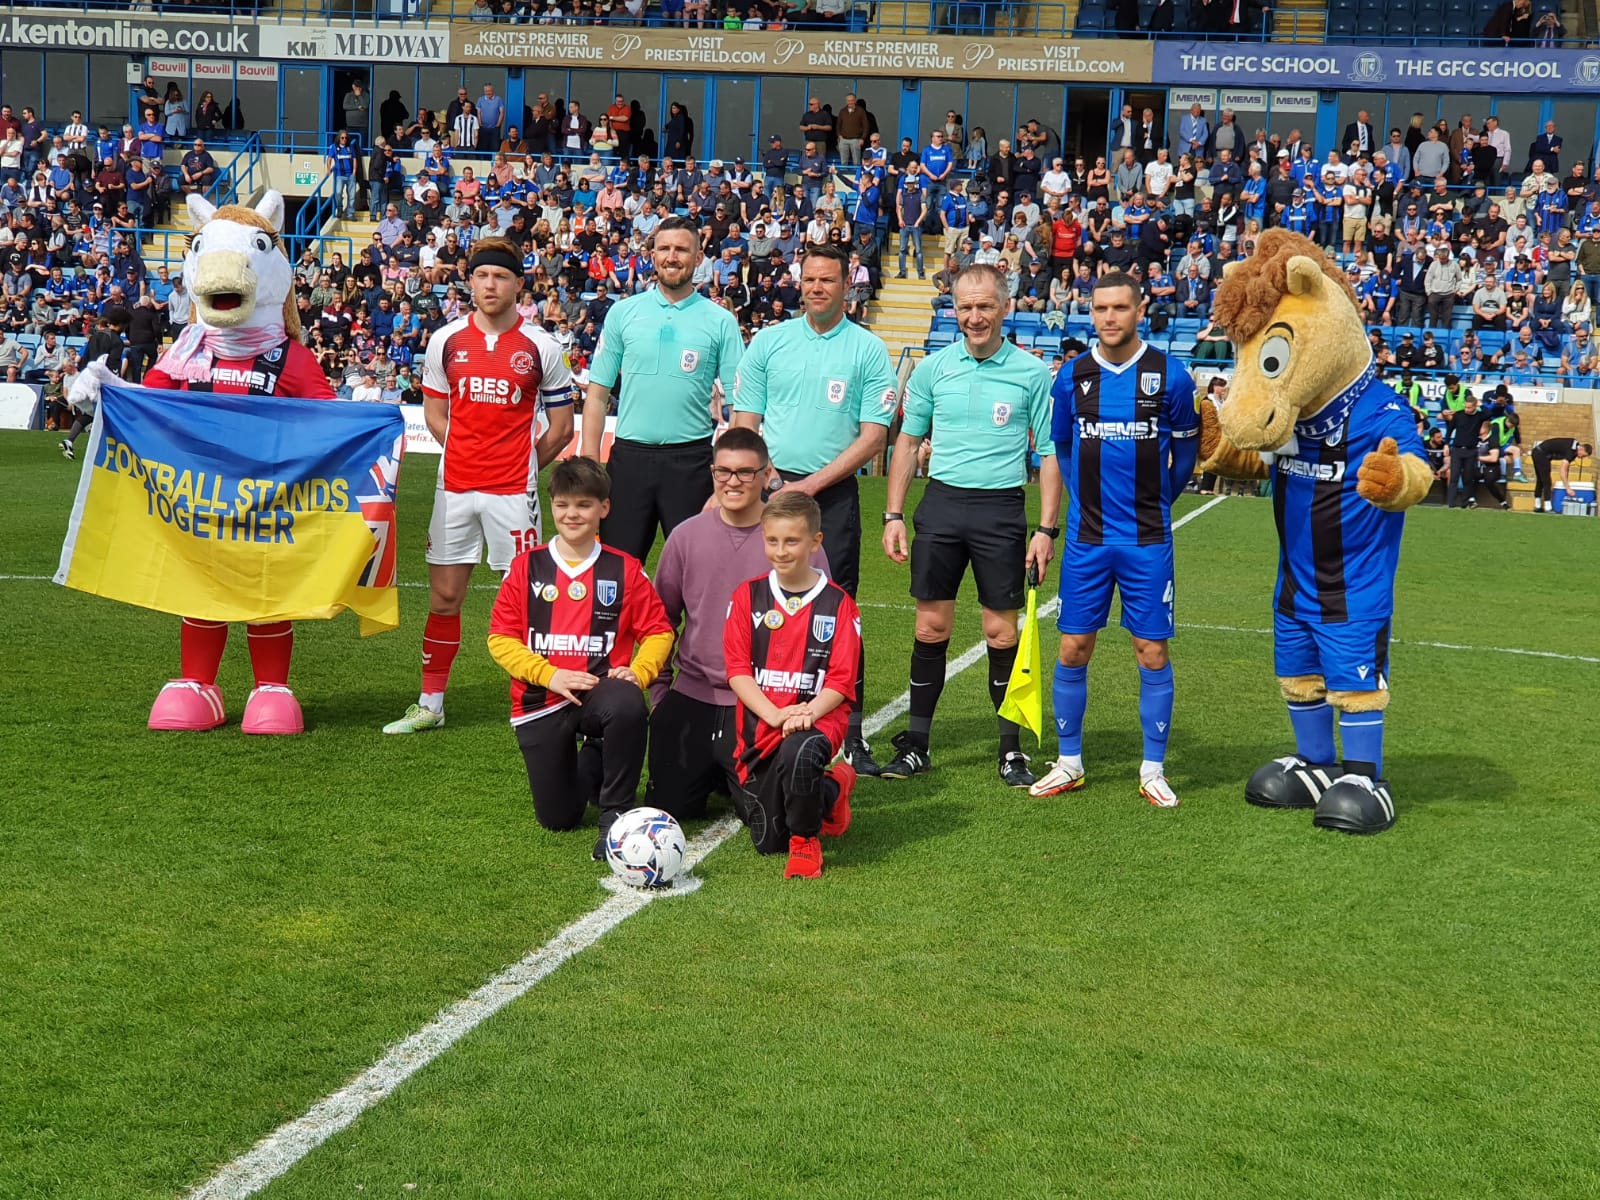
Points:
[(858, 754), (910, 758), (1014, 771)]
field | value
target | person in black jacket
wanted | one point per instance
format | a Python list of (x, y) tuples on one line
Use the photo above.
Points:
[(105, 341), (1162, 17), (1511, 25), (1466, 426), (144, 339)]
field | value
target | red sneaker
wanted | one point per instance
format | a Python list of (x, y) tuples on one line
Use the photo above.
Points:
[(838, 818), (805, 859)]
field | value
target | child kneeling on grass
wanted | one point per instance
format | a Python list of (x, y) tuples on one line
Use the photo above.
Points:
[(582, 634), (792, 643)]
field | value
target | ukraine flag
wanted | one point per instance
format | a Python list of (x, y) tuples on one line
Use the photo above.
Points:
[(238, 508)]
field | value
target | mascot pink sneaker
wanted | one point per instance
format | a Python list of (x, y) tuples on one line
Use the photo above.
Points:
[(189, 706), (272, 709)]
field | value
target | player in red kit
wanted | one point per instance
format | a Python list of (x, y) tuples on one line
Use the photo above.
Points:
[(792, 645), (485, 380), (582, 634)]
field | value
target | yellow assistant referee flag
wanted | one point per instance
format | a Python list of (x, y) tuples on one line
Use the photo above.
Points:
[(1024, 701)]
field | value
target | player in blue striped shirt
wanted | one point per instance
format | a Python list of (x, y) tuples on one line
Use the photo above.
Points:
[(1125, 431)]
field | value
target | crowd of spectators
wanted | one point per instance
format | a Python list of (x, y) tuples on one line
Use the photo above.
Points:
[(1466, 254), (72, 200)]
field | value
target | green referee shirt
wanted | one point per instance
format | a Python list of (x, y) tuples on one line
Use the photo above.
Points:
[(814, 390), (981, 413), (668, 356)]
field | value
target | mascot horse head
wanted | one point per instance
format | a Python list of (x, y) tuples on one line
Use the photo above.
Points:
[(236, 268), (1297, 335)]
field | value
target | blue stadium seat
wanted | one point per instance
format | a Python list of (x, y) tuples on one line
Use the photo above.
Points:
[(1342, 24), (1456, 28)]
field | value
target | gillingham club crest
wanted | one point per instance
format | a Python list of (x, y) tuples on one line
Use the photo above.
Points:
[(822, 628), (1150, 383), (605, 591)]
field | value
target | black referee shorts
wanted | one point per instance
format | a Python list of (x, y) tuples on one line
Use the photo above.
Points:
[(986, 527), (841, 528), (691, 755), (654, 486)]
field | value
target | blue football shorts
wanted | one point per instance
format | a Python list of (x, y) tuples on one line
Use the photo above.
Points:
[(1351, 656), (1142, 577)]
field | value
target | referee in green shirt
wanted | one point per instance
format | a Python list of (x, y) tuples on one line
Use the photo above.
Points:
[(823, 390), (983, 396), (669, 345)]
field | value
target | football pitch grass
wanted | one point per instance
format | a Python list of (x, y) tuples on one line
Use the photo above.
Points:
[(985, 995)]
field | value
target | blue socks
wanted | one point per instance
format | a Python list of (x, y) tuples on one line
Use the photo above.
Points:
[(1155, 711), (1362, 734), (1070, 696), (1313, 730)]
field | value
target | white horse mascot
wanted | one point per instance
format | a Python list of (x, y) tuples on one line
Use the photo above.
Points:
[(243, 337)]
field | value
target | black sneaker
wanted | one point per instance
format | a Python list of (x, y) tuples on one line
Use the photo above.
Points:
[(607, 820), (910, 759), (1014, 771), (858, 754), (66, 450)]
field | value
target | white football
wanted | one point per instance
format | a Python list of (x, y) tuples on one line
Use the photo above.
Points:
[(645, 848)]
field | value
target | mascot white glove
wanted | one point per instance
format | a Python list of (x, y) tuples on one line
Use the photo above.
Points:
[(84, 395)]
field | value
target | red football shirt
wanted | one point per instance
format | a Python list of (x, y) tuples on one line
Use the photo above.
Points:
[(590, 617), (496, 384), (289, 370), (793, 647)]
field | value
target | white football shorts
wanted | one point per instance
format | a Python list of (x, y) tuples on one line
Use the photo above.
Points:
[(463, 522)]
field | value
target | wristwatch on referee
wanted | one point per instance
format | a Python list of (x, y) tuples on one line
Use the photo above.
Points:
[(891, 518), (1050, 531)]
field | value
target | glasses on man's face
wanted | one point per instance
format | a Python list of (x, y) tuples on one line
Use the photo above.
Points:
[(742, 474)]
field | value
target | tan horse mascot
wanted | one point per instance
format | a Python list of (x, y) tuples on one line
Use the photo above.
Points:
[(1306, 409)]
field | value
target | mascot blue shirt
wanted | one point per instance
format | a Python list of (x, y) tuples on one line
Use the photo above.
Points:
[(1319, 513)]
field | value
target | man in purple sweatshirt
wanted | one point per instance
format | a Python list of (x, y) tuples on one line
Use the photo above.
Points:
[(704, 560)]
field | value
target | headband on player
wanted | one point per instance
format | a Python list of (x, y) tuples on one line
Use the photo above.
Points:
[(494, 258)]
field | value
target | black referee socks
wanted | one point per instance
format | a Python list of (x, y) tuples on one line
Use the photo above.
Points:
[(1001, 660), (927, 681)]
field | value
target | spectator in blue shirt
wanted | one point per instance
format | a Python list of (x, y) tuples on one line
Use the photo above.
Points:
[(938, 164), (342, 166)]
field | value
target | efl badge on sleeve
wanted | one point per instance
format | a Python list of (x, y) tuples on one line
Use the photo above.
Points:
[(605, 591), (822, 628), (688, 361), (1150, 383), (836, 391), (1002, 413)]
